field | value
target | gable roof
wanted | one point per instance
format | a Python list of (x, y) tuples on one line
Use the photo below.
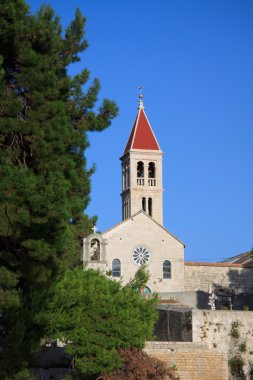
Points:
[(243, 258), (142, 135), (153, 220)]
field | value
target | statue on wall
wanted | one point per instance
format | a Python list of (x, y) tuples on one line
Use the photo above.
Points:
[(94, 250), (211, 302)]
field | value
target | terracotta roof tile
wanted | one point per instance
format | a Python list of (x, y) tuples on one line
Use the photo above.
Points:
[(141, 136), (198, 264)]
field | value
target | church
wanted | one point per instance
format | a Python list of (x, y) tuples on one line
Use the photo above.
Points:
[(140, 238)]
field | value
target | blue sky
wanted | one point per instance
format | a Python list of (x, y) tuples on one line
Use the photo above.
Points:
[(195, 59)]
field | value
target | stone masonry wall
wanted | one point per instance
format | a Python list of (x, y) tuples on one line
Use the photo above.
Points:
[(227, 331), (174, 325), (199, 276), (193, 361)]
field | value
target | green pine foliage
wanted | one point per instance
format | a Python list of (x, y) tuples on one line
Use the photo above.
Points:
[(96, 317), (44, 119), (140, 278)]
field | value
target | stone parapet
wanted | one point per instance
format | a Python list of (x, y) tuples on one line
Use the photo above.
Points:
[(228, 331)]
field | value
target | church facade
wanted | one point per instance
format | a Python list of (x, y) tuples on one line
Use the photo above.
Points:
[(140, 238)]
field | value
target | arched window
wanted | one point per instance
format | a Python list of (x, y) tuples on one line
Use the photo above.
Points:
[(140, 169), (144, 204), (151, 170), (140, 173), (151, 174), (116, 268), (147, 290), (150, 211), (166, 269)]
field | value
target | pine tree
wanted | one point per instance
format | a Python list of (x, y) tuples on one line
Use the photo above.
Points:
[(45, 185)]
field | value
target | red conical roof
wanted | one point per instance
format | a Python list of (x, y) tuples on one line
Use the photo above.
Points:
[(141, 136)]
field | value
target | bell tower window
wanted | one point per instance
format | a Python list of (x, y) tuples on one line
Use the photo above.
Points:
[(151, 174), (125, 176), (140, 173), (144, 204), (150, 206), (123, 179)]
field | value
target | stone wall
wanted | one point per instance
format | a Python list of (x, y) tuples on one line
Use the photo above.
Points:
[(199, 276), (174, 324), (193, 361), (227, 331)]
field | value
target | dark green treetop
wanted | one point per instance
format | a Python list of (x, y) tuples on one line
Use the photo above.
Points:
[(45, 184)]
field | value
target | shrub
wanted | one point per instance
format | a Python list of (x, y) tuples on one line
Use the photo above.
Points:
[(243, 347), (236, 367), (139, 365), (234, 330)]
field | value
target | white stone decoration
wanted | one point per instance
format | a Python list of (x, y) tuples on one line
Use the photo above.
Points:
[(211, 302), (141, 256), (93, 248)]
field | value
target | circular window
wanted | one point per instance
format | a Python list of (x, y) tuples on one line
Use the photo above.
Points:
[(141, 256)]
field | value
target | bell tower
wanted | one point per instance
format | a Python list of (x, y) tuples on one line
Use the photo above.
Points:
[(142, 170)]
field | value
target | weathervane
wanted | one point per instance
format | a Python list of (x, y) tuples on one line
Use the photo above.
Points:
[(140, 89), (140, 95)]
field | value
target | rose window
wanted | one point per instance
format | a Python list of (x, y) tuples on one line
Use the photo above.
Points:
[(141, 256)]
